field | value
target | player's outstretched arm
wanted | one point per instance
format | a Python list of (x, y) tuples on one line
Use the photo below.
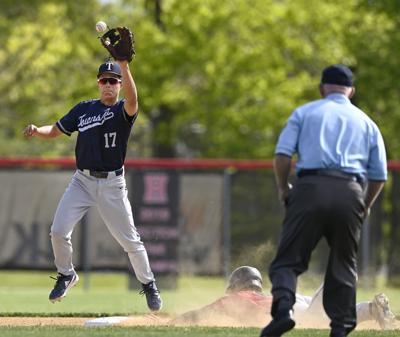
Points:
[(46, 131), (129, 87)]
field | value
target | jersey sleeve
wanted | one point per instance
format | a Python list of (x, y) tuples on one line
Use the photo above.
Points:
[(69, 123), (377, 165), (129, 119), (288, 139)]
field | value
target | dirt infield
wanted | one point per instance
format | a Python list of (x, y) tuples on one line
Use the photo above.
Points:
[(150, 319), (32, 321)]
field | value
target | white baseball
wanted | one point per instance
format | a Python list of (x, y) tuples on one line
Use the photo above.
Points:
[(101, 26)]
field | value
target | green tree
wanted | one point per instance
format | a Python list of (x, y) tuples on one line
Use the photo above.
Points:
[(215, 78), (220, 78), (46, 51)]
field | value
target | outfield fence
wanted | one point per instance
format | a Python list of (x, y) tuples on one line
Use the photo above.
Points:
[(195, 217)]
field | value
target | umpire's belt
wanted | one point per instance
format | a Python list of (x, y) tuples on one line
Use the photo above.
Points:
[(331, 173), (103, 174)]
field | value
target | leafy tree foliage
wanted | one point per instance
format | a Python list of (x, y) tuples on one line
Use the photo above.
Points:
[(46, 61), (215, 78)]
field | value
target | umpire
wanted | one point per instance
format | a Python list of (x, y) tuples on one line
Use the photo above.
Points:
[(340, 151)]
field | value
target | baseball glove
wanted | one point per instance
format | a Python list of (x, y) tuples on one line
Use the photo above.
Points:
[(120, 43)]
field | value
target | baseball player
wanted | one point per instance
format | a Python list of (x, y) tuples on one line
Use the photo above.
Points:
[(245, 304), (103, 127)]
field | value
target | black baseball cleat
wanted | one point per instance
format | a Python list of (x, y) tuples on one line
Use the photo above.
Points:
[(63, 284), (153, 298), (279, 325)]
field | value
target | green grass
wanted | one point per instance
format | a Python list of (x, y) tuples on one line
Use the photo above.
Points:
[(26, 293), (57, 331)]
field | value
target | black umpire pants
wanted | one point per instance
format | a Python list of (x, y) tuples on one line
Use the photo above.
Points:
[(321, 206)]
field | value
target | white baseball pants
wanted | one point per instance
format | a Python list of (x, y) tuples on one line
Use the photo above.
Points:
[(110, 196)]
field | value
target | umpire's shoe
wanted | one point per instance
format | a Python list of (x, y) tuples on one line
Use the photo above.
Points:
[(63, 283), (153, 298), (282, 322)]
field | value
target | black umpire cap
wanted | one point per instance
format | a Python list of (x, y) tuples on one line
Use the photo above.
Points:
[(110, 67), (337, 74)]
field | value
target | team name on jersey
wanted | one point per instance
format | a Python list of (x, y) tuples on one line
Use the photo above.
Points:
[(93, 121)]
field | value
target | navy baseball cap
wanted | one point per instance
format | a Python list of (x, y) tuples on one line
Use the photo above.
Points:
[(110, 67), (337, 74)]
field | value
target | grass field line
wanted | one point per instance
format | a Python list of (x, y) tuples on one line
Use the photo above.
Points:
[(163, 331)]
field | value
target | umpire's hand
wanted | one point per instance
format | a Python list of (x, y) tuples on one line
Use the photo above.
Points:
[(283, 193)]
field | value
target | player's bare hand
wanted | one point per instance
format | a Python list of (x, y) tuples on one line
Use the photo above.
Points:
[(30, 130)]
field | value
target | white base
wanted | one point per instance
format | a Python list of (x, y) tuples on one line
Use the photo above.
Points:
[(105, 321)]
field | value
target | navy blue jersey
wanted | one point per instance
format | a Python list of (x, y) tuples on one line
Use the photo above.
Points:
[(103, 134)]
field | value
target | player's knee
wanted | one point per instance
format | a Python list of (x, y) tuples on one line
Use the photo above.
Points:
[(58, 235), (133, 246)]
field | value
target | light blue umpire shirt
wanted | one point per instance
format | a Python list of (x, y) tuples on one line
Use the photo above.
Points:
[(332, 133)]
